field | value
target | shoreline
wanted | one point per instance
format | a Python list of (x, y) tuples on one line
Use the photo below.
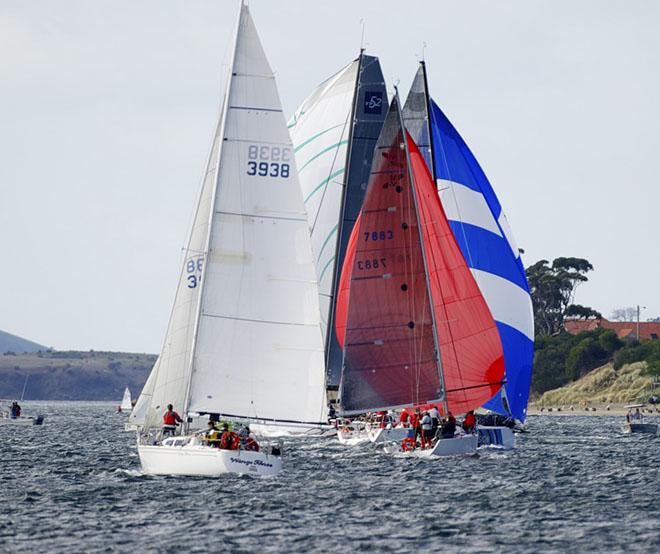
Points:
[(619, 410)]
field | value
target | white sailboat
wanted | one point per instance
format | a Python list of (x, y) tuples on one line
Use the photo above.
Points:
[(126, 401), (244, 340)]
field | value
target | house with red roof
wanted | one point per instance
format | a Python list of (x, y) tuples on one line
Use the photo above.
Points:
[(648, 330)]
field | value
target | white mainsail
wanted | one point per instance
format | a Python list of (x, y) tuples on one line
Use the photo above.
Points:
[(320, 130), (244, 336)]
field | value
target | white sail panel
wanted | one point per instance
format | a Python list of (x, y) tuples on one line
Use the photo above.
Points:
[(259, 349), (320, 132)]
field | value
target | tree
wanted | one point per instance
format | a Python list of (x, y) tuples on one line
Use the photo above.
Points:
[(553, 289), (581, 312), (628, 313)]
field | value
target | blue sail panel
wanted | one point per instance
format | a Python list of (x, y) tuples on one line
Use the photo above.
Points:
[(482, 232)]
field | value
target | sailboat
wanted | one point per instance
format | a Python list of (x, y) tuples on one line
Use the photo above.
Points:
[(13, 415), (484, 236), (126, 401), (412, 322), (334, 132), (243, 341)]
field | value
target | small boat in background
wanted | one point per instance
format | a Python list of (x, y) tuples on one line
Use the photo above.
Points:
[(635, 421), (126, 402)]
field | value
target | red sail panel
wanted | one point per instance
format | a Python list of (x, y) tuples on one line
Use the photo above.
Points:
[(470, 346), (341, 307), (384, 310)]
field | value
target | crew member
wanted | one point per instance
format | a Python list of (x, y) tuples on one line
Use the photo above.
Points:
[(448, 428), (211, 436), (470, 422), (15, 410), (435, 417), (427, 426), (170, 420), (228, 439), (414, 423)]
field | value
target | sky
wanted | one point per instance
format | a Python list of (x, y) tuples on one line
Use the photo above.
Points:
[(107, 109)]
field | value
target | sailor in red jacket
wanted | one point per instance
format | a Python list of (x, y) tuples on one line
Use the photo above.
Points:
[(170, 421)]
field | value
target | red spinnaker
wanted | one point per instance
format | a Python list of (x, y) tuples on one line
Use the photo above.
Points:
[(470, 346), (385, 308)]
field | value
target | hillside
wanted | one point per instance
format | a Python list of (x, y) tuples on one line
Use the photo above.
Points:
[(604, 385), (73, 375), (12, 343)]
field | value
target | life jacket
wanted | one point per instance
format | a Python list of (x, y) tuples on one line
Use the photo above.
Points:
[(229, 441), (251, 444), (170, 418), (470, 421)]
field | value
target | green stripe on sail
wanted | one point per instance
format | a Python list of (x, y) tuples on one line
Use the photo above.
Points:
[(326, 268), (328, 149), (317, 135), (325, 242), (324, 182)]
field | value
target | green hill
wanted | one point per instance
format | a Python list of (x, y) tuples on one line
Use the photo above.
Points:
[(18, 345), (73, 375), (604, 385)]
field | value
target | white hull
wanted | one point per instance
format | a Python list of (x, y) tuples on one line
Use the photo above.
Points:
[(463, 445), (195, 459), (352, 437), (395, 434), (496, 437), (273, 430), (646, 428), (23, 420)]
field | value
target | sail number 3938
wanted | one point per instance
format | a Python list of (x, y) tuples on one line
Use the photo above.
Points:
[(268, 161)]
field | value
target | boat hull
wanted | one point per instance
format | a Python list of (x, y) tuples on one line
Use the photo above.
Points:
[(273, 430), (352, 437), (204, 461), (646, 428), (463, 445), (395, 434), (27, 420), (497, 437)]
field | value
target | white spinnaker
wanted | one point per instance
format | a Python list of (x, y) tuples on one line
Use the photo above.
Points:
[(259, 348), (126, 403), (320, 132)]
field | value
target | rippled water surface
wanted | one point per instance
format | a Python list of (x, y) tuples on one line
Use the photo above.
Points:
[(575, 484)]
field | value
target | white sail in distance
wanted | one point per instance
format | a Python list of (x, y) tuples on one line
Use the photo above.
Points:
[(244, 337)]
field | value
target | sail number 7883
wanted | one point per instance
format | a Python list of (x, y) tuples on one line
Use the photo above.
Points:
[(268, 161)]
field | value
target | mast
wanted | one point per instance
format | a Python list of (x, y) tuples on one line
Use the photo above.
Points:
[(223, 119), (423, 250), (340, 227), (427, 100)]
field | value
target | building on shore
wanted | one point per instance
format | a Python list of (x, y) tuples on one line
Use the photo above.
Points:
[(648, 330)]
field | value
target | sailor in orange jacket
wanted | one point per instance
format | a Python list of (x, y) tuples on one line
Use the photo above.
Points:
[(170, 421)]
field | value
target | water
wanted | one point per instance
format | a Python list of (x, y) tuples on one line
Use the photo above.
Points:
[(575, 484)]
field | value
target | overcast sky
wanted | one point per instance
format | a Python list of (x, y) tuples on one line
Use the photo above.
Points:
[(107, 110)]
